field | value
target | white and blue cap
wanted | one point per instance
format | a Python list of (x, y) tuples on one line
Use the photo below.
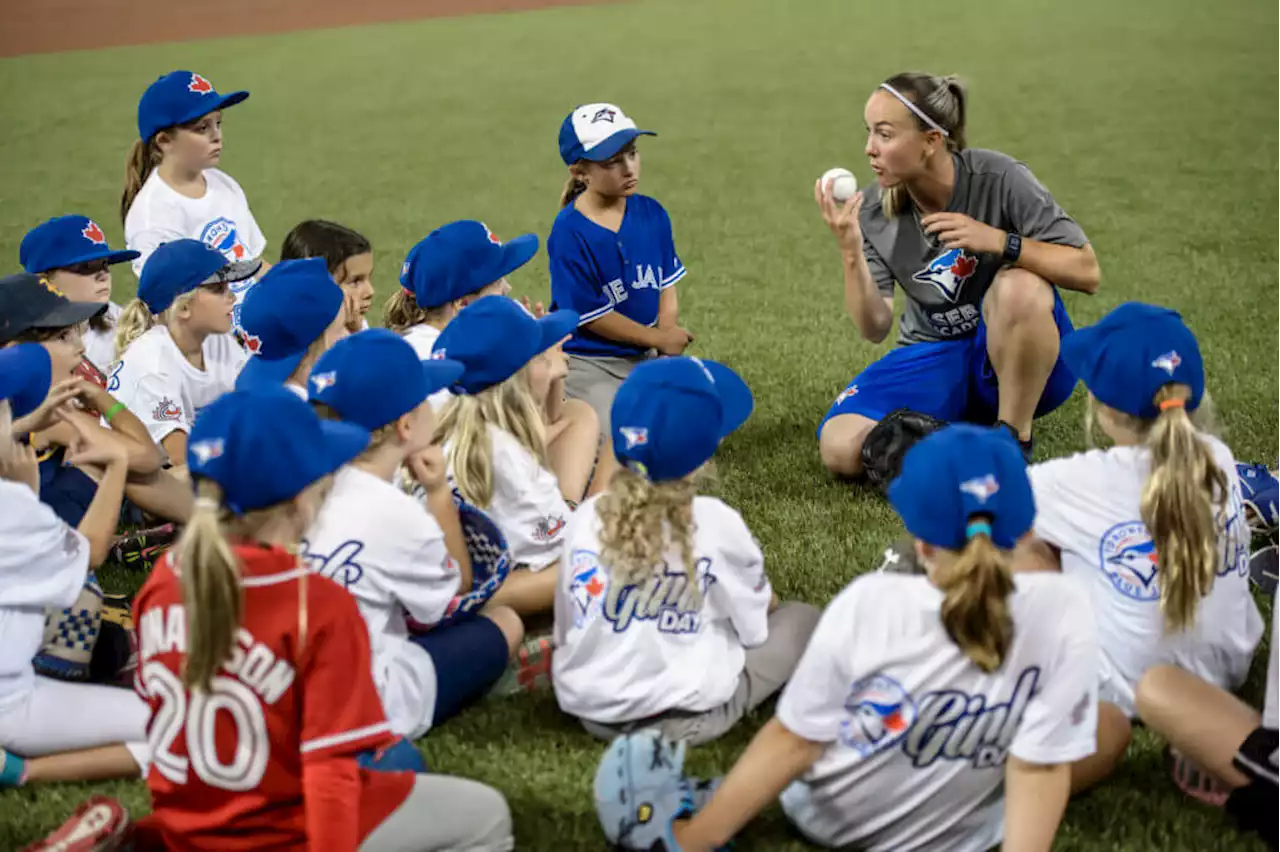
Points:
[(963, 481), (596, 132), (374, 377), (670, 415), (495, 337), (263, 447), (26, 372)]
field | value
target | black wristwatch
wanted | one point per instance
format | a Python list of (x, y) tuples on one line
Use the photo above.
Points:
[(1012, 247)]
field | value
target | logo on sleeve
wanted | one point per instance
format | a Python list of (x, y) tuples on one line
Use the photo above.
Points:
[(546, 529), (847, 393), (948, 272), (167, 409), (70, 542), (94, 234), (1128, 557), (221, 234), (1168, 362), (880, 712), (586, 586)]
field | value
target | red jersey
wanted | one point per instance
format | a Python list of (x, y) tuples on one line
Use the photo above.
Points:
[(265, 759)]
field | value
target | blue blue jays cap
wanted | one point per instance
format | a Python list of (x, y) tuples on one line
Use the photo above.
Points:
[(177, 98), (670, 415), (65, 241), (374, 377), (25, 375), (596, 132), (959, 473), (457, 259), (282, 315), (1131, 353), (174, 269), (495, 337), (264, 447)]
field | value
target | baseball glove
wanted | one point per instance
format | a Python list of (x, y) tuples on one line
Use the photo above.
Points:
[(889, 440), (87, 370), (70, 635)]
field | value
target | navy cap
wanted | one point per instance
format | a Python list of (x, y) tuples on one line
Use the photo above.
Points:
[(1131, 353), (30, 301), (176, 268), (495, 337), (25, 375), (596, 132), (65, 241), (958, 472), (282, 315), (670, 415), (374, 377), (177, 98), (264, 447), (457, 259)]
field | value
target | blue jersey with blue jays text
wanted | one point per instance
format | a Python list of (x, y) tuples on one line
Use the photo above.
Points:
[(595, 271)]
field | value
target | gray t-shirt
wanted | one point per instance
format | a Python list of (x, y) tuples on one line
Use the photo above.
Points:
[(945, 286)]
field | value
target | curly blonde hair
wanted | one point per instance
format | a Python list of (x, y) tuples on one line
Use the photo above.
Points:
[(640, 520), (136, 320)]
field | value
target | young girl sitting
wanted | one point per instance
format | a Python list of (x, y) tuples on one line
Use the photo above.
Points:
[(390, 554), (52, 730), (494, 437), (174, 355), (1155, 525), (664, 616), (939, 711), (72, 252), (347, 254)]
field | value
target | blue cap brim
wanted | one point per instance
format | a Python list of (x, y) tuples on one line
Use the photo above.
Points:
[(260, 373), (111, 257), (736, 400), (614, 144), (441, 373), (228, 100), (556, 326), (516, 253), (344, 441)]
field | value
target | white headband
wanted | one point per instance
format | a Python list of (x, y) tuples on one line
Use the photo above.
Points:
[(919, 112)]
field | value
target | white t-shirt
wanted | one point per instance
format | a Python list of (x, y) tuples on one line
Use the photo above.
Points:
[(220, 218), (628, 652), (527, 504), (390, 554), (43, 564), (918, 734), (100, 346), (1088, 506), (163, 389), (422, 337), (1271, 701)]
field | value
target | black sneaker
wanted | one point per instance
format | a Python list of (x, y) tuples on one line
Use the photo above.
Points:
[(140, 550), (1028, 446)]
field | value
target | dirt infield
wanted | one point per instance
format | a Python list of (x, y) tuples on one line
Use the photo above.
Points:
[(45, 26)]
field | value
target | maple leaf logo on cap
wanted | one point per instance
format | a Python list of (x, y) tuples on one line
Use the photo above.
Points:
[(94, 234), (199, 85), (252, 343), (489, 234)]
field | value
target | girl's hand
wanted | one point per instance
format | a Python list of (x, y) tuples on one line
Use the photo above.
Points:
[(18, 464), (48, 414), (559, 362), (842, 220), (95, 446), (673, 340), (956, 230), (536, 308), (428, 467)]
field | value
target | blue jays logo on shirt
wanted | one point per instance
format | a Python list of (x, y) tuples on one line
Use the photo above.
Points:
[(666, 597), (605, 114), (340, 565), (113, 383), (1168, 362), (1128, 557), (880, 714), (955, 725), (981, 488), (586, 586), (634, 436), (948, 272), (221, 234)]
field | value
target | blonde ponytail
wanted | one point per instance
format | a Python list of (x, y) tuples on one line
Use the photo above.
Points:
[(574, 186), (135, 320), (975, 606), (464, 429), (143, 157), (1178, 508), (403, 312), (945, 101), (211, 592), (639, 520)]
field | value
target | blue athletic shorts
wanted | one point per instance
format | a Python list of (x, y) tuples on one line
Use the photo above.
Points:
[(951, 380), (469, 655)]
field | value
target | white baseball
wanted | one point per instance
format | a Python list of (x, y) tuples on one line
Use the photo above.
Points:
[(845, 184)]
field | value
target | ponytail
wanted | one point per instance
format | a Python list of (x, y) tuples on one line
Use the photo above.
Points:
[(573, 187), (211, 593), (637, 517), (143, 157), (975, 606), (135, 320), (403, 312), (945, 101), (1177, 508)]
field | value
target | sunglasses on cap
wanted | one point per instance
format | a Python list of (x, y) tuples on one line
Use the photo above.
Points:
[(89, 267)]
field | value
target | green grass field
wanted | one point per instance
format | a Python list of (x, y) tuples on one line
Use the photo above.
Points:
[(1152, 122)]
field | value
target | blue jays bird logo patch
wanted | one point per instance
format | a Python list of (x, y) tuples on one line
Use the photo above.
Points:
[(981, 488), (605, 114), (1128, 557), (1168, 362), (948, 272), (880, 713), (586, 586)]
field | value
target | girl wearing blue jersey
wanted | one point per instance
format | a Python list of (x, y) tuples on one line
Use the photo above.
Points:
[(613, 259)]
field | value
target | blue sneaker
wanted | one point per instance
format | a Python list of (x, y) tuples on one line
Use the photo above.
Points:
[(1261, 492)]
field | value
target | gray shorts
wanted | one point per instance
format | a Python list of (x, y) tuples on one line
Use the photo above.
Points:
[(767, 669), (595, 380), (445, 814)]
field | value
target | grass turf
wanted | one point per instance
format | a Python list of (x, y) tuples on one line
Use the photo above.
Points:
[(1151, 122)]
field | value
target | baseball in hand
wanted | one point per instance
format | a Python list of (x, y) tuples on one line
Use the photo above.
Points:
[(845, 184)]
